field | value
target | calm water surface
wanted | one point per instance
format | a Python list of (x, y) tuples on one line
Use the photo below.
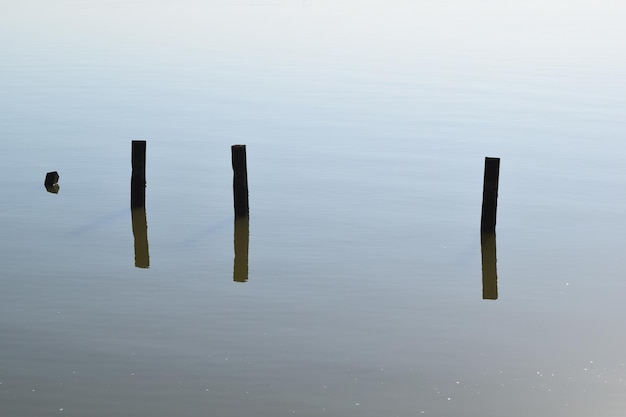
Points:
[(366, 125)]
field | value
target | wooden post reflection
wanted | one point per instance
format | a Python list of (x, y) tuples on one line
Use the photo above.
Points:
[(242, 239), (490, 272), (140, 232)]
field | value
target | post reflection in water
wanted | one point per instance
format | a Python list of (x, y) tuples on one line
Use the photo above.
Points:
[(490, 272), (140, 232), (242, 239)]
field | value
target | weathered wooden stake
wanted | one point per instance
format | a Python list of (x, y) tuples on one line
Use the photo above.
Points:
[(490, 270), (490, 195), (242, 240), (240, 180), (138, 177)]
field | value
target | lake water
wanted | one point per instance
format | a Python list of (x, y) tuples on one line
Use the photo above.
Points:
[(366, 125)]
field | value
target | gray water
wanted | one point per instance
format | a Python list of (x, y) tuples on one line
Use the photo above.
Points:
[(366, 125)]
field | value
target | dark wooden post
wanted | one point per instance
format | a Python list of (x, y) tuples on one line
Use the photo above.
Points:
[(490, 195), (242, 240), (490, 270), (240, 180), (138, 177)]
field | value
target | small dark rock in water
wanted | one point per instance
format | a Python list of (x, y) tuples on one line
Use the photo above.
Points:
[(51, 179)]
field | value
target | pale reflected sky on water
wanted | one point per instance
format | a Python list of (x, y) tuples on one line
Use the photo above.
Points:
[(259, 61), (366, 125)]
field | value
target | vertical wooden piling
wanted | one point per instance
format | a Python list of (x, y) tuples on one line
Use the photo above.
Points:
[(138, 177), (490, 195), (240, 180), (490, 270), (241, 241)]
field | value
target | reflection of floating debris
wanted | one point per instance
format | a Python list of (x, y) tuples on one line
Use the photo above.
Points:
[(51, 182)]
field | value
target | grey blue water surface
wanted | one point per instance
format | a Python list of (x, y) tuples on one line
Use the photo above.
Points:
[(366, 125)]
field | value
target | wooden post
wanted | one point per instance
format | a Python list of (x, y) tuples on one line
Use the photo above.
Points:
[(138, 177), (490, 271), (490, 195), (242, 240), (240, 180)]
